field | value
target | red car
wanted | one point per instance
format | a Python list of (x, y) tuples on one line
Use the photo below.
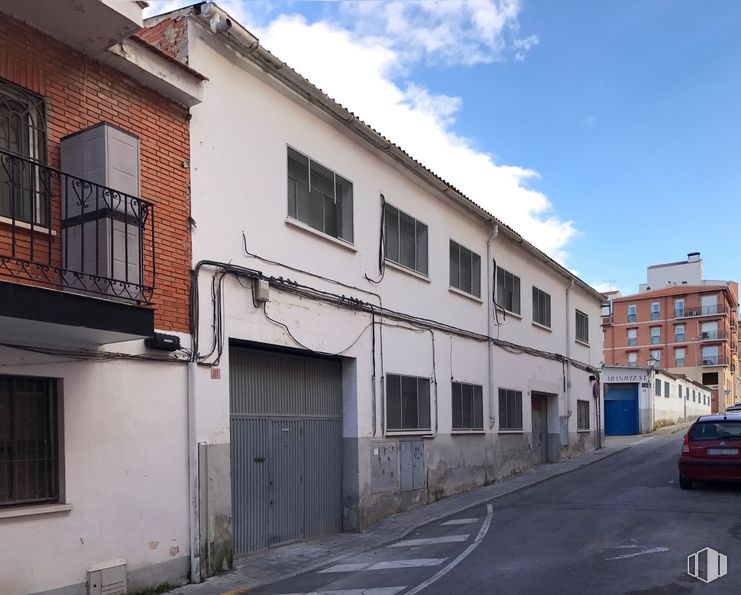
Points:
[(711, 450)]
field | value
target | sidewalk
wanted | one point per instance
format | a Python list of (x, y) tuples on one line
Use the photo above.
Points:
[(269, 566)]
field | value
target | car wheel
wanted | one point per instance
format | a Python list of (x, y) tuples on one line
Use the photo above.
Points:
[(684, 483)]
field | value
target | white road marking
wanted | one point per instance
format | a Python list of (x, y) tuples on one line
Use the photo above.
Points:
[(388, 565), (416, 563), (430, 540), (346, 567), (441, 573), (653, 550), (460, 522), (372, 591)]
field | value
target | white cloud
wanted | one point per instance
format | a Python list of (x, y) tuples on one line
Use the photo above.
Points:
[(358, 72), (364, 72), (439, 31)]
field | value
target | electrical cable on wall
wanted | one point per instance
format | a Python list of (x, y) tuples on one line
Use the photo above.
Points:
[(381, 245)]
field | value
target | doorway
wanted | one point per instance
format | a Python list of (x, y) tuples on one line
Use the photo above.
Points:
[(540, 428)]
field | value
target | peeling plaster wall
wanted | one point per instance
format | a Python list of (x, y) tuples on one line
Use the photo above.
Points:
[(239, 184)]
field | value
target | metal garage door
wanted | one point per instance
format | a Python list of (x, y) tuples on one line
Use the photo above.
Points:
[(286, 441), (621, 410)]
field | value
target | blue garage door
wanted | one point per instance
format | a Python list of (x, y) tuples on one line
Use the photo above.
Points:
[(621, 410)]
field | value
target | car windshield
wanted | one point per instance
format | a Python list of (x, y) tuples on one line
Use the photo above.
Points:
[(716, 430)]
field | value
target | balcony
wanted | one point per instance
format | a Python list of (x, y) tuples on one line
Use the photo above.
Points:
[(697, 311), (714, 360), (713, 336), (81, 240)]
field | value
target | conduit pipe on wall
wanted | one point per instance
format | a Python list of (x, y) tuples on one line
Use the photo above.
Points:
[(194, 514), (568, 348), (489, 315)]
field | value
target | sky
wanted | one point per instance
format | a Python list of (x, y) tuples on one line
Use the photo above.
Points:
[(606, 133)]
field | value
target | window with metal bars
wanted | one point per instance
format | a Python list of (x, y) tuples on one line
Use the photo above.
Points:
[(541, 307), (407, 403), (582, 415), (29, 440), (465, 269), (510, 410), (467, 406), (22, 133), (405, 239), (582, 327), (508, 291), (319, 197)]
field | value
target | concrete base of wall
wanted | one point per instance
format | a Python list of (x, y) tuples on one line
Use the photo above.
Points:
[(215, 498), (175, 572)]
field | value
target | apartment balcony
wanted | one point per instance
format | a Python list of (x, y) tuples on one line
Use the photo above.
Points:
[(699, 311), (709, 336), (715, 360), (79, 257)]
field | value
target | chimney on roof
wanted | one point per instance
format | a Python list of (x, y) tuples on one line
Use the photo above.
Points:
[(692, 256)]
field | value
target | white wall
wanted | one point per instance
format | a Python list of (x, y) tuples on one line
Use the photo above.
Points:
[(673, 409), (239, 136), (125, 459)]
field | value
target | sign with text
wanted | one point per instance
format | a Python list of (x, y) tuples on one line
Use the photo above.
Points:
[(626, 376)]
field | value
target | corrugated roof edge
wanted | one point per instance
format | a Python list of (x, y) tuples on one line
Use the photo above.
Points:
[(249, 46)]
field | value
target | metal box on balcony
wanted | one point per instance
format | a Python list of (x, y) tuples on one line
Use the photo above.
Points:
[(102, 221)]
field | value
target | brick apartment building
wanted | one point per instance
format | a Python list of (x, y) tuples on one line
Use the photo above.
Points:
[(95, 257), (681, 322)]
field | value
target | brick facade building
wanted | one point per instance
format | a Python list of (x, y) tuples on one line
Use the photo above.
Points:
[(689, 326), (95, 256)]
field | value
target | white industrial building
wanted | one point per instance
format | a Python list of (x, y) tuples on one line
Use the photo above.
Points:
[(640, 400), (352, 361)]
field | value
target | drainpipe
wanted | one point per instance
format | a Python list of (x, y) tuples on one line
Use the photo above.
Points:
[(567, 352), (193, 518), (489, 315)]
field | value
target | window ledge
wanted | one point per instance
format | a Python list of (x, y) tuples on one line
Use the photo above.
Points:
[(542, 326), (512, 314), (464, 294), (583, 431), (510, 432), (402, 269), (21, 511), (319, 234), (23, 225), (467, 432), (580, 342), (416, 433)]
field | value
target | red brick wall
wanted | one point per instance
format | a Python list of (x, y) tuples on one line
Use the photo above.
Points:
[(80, 92)]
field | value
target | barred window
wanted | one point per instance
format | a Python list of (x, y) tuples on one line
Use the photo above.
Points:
[(405, 239), (582, 415), (657, 388), (467, 406), (510, 409), (407, 403), (666, 390), (582, 327), (319, 197), (22, 135), (29, 443), (541, 307), (508, 291), (465, 269)]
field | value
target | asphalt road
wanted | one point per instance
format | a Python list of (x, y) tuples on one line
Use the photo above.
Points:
[(621, 525)]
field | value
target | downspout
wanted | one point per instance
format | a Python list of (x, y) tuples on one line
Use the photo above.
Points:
[(568, 363), (194, 513), (489, 315)]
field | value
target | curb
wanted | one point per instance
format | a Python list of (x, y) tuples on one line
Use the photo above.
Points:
[(434, 519)]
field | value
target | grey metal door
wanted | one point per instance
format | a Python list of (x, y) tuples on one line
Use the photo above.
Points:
[(540, 429), (286, 445)]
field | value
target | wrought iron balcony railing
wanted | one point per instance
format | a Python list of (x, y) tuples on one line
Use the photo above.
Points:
[(63, 231)]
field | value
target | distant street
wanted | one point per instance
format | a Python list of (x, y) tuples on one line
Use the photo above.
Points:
[(621, 525)]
